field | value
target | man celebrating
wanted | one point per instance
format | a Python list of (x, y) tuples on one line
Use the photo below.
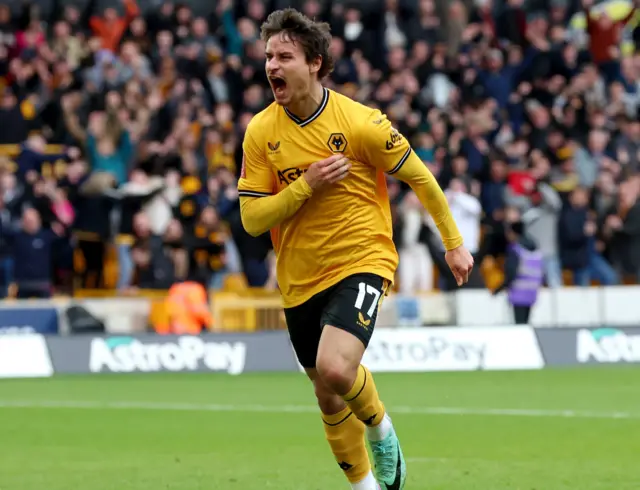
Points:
[(313, 174)]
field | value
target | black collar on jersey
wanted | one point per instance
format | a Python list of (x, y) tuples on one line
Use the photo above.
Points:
[(303, 122)]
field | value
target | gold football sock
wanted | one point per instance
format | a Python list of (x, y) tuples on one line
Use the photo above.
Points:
[(345, 434), (363, 399)]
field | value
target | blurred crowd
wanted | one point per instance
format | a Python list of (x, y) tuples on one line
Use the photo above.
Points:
[(121, 132)]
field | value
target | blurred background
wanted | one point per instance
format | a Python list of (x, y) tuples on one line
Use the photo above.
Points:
[(121, 134)]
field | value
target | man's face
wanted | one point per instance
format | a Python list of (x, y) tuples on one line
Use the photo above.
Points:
[(605, 21), (71, 14), (5, 14), (8, 100), (141, 225), (458, 186), (165, 39), (498, 170), (61, 30), (200, 27), (289, 73), (110, 15), (579, 198), (209, 217), (31, 221)]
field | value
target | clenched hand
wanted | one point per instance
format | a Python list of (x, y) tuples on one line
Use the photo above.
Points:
[(460, 262)]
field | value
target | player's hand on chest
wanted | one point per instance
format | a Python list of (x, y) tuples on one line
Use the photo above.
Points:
[(291, 157)]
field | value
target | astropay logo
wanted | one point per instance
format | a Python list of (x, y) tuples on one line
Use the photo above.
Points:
[(453, 349), (608, 345), (129, 354), (434, 352)]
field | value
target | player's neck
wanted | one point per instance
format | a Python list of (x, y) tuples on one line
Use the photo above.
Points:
[(308, 104)]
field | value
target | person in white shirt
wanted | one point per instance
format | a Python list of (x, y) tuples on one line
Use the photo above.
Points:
[(415, 270), (467, 212)]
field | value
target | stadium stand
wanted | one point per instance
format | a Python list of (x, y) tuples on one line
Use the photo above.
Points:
[(121, 131)]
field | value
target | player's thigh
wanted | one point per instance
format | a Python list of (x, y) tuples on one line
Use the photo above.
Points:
[(339, 355), (350, 317), (303, 324)]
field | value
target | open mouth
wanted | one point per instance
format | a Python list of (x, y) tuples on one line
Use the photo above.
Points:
[(278, 84)]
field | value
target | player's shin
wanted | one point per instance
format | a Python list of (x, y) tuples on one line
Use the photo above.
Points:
[(345, 434), (365, 403)]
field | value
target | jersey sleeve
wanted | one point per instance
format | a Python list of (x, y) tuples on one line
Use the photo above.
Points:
[(382, 145), (256, 177), (261, 207)]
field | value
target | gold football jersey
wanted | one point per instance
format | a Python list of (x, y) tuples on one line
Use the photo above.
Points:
[(343, 228)]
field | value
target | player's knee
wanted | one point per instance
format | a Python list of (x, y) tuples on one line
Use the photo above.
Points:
[(336, 372), (328, 401)]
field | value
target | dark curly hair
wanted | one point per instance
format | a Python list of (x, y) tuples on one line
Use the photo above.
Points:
[(314, 37)]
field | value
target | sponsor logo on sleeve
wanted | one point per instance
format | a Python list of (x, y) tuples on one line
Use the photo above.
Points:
[(394, 138)]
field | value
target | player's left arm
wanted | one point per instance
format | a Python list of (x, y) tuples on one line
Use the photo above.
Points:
[(385, 148)]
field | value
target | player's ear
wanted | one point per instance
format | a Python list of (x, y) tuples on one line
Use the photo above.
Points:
[(315, 65)]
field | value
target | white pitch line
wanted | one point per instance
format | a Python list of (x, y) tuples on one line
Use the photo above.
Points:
[(408, 410)]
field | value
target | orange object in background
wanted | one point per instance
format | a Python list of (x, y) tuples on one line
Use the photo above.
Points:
[(186, 310), (111, 31)]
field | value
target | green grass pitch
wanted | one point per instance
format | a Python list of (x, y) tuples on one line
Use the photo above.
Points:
[(541, 430)]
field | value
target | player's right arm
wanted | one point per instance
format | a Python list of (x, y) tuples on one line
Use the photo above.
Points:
[(262, 210)]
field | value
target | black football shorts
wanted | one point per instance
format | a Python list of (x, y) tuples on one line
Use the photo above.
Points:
[(351, 305)]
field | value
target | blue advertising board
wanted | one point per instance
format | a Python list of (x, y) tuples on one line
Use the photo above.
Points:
[(28, 320)]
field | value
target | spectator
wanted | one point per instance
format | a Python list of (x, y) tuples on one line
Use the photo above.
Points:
[(493, 204), (593, 158), (148, 111), (493, 191), (415, 272), (627, 146), (13, 197), (108, 144), (624, 229), (33, 259), (187, 308), (6, 255), (156, 264), (466, 210), (540, 206), (133, 196), (575, 234), (604, 39), (523, 273), (207, 250), (110, 28), (15, 125)]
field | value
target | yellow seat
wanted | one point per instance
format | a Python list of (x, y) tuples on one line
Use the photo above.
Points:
[(235, 283), (492, 272), (231, 313), (110, 268), (567, 277), (158, 313)]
